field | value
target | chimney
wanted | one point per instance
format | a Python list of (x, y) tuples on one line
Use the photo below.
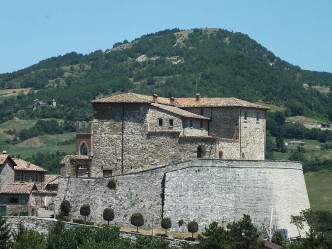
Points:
[(28, 164), (172, 100), (198, 96), (155, 96)]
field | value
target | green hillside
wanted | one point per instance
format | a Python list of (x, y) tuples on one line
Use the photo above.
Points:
[(216, 62), (319, 188)]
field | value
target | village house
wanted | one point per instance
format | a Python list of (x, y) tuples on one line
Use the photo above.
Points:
[(24, 185)]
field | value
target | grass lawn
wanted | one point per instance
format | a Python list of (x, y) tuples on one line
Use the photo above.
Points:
[(319, 186)]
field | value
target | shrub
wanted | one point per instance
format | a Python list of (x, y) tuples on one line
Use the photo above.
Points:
[(137, 220), (65, 207), (111, 184), (85, 211), (108, 215), (89, 223), (192, 227), (166, 223), (180, 223), (79, 221)]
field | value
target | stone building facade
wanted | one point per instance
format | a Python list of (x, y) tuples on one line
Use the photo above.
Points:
[(133, 132)]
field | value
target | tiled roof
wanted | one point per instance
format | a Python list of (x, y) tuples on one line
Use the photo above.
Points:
[(18, 188), (4, 157), (179, 102), (179, 111), (26, 166), (77, 157), (216, 102), (132, 98), (51, 179)]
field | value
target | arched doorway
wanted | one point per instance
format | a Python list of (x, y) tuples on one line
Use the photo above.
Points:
[(201, 151)]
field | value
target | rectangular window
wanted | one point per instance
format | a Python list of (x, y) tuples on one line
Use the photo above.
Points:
[(201, 124), (191, 123), (171, 122), (257, 116), (245, 115), (202, 112), (160, 120)]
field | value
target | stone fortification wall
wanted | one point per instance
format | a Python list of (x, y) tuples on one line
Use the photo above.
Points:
[(215, 190), (204, 190), (136, 192)]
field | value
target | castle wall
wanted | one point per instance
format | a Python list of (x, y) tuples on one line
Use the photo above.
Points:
[(215, 190), (136, 192), (204, 190)]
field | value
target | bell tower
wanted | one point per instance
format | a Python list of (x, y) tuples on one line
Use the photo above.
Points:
[(84, 145)]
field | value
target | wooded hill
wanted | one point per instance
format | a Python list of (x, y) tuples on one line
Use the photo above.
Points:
[(214, 62)]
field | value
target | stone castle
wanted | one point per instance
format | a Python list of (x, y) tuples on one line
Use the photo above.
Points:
[(183, 158)]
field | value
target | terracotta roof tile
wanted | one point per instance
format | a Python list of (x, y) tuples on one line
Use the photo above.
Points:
[(179, 111), (78, 157), (132, 98), (18, 188), (24, 165), (3, 158), (179, 102), (216, 102), (51, 179)]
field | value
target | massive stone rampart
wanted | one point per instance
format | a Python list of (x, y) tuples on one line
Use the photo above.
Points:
[(204, 190)]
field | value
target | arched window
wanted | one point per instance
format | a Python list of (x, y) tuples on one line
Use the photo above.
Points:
[(84, 149)]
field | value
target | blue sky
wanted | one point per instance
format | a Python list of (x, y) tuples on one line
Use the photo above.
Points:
[(298, 31)]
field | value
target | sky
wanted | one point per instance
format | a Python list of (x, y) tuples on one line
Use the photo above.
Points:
[(298, 31)]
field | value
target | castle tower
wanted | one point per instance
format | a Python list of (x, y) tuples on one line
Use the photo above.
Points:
[(84, 145)]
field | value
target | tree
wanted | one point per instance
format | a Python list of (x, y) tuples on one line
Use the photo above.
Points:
[(277, 238), (192, 227), (137, 220), (85, 211), (108, 215), (29, 239), (166, 223), (280, 144), (4, 234), (297, 220), (243, 234), (65, 207)]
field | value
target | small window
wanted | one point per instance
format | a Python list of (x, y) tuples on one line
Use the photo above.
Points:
[(117, 116), (171, 122), (191, 123), (13, 200), (201, 124), (202, 112), (245, 115), (22, 177), (257, 116), (160, 120)]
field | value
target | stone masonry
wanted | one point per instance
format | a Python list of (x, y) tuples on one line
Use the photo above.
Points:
[(204, 190)]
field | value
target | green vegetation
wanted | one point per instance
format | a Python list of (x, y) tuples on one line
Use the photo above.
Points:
[(65, 207), (4, 234), (108, 215), (166, 223), (85, 211), (137, 220), (319, 190), (192, 227)]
